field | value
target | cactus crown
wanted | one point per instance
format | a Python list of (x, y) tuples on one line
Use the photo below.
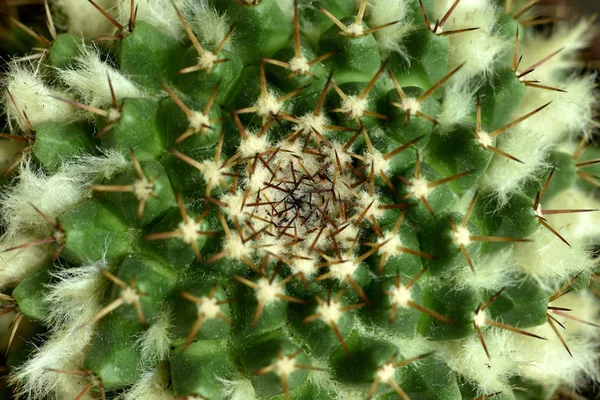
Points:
[(266, 199)]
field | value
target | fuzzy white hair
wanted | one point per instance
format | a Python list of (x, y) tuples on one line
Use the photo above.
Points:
[(73, 299), (53, 194), (210, 26), (155, 342), (238, 389), (580, 225), (82, 18), (159, 13), (380, 12), (458, 104), (152, 385), (88, 79), (34, 98), (572, 39), (479, 48), (549, 261), (16, 265)]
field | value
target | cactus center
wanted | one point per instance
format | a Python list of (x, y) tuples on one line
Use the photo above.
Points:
[(386, 372), (268, 105), (267, 291), (341, 271), (211, 171), (304, 265), (299, 65), (308, 122), (484, 139), (436, 28), (479, 318), (253, 145), (142, 188), (401, 296), (354, 106), (354, 30), (208, 307), (330, 312), (419, 188), (113, 114), (129, 295), (285, 366), (59, 237), (207, 60), (189, 230), (462, 236), (389, 244), (371, 204), (411, 105), (199, 120), (236, 247)]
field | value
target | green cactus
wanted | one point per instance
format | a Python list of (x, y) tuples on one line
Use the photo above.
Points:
[(299, 199)]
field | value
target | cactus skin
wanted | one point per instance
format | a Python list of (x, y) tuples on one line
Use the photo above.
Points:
[(256, 225)]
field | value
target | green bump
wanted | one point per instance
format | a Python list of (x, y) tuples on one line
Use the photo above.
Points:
[(268, 352), (136, 128), (427, 60), (148, 197), (356, 59), (56, 143), (456, 150), (94, 232), (500, 98), (173, 238), (200, 369), (256, 37), (65, 49), (145, 55), (30, 295), (458, 305), (522, 304), (113, 355)]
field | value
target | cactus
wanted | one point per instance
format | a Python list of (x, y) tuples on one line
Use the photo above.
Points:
[(307, 199)]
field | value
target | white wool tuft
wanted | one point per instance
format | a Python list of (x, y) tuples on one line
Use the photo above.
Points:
[(76, 296), (548, 361), (32, 95), (155, 342), (210, 26), (88, 80), (585, 305), (53, 194), (458, 104), (571, 38), (480, 48), (152, 385), (82, 18), (17, 265), (548, 260), (580, 225), (380, 12), (570, 113), (492, 271), (490, 375), (159, 13), (239, 389), (73, 299)]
